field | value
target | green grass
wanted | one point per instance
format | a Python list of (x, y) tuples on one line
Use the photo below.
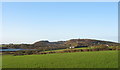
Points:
[(55, 50), (97, 59), (83, 48), (66, 49)]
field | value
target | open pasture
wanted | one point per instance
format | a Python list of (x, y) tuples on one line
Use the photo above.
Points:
[(96, 59)]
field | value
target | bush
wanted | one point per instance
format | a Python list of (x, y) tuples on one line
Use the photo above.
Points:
[(18, 53)]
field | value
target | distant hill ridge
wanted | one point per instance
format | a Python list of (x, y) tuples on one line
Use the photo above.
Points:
[(61, 44)]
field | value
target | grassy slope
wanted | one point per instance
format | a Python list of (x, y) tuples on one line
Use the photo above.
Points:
[(99, 59), (67, 49), (74, 48)]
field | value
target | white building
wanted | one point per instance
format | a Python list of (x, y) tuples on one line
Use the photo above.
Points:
[(71, 47)]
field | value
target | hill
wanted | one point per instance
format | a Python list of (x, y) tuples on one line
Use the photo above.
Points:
[(61, 44)]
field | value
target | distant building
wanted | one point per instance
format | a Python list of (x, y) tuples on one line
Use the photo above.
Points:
[(77, 46), (107, 45), (71, 47)]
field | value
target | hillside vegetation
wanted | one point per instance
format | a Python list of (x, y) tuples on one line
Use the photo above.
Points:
[(46, 45)]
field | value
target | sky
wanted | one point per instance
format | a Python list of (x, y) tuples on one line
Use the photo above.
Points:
[(28, 22)]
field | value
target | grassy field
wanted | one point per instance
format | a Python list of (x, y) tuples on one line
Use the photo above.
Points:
[(98, 59), (67, 49)]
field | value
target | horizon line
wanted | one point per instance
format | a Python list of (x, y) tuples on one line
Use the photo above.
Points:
[(61, 40)]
